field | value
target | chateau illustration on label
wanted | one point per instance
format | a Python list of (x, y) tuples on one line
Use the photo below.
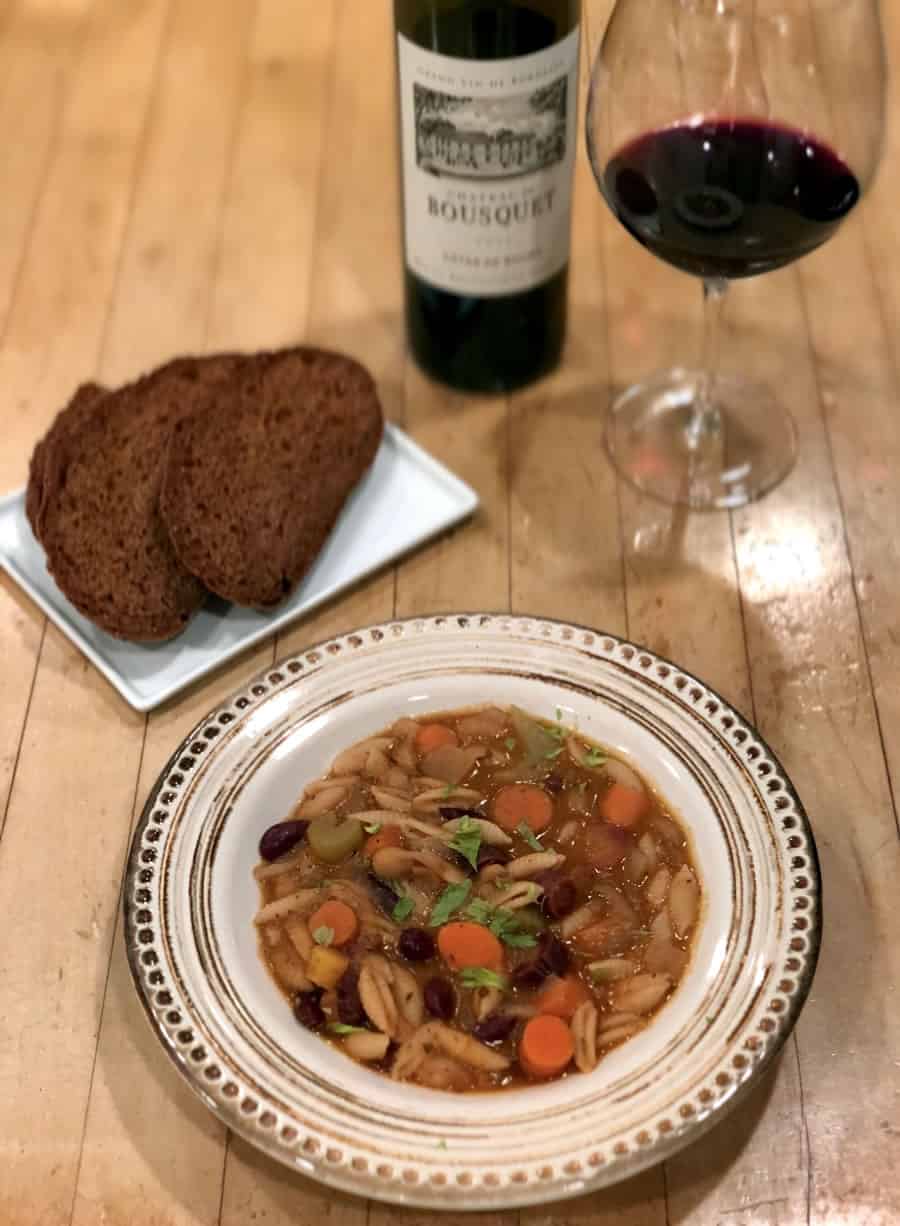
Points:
[(490, 138)]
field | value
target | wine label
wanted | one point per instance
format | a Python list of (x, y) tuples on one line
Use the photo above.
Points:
[(488, 150)]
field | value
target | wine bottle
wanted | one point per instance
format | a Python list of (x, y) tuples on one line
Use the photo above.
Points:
[(488, 122)]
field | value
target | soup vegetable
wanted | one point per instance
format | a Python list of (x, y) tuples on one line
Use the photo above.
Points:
[(477, 899)]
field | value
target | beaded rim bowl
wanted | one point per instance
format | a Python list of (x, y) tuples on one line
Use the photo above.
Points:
[(190, 898)]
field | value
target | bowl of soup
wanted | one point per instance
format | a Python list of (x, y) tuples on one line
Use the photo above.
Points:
[(472, 911)]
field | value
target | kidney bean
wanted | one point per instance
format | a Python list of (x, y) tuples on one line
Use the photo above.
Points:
[(494, 1029), (415, 945), (281, 838), (349, 1006), (448, 813), (553, 784), (552, 954), (440, 998), (559, 897), (488, 854), (550, 957), (308, 1009), (530, 974)]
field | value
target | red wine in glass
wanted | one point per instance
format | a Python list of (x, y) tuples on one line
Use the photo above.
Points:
[(729, 197), (730, 138)]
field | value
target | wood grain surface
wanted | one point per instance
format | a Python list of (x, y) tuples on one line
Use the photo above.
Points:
[(189, 175)]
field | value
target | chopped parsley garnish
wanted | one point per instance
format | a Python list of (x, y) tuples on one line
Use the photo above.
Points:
[(510, 743), (323, 935), (442, 1144), (467, 840), (343, 1028), (504, 924), (559, 715), (372, 828), (481, 977), (450, 900), (403, 910), (554, 753), (524, 831), (519, 940), (479, 911), (594, 757), (448, 791)]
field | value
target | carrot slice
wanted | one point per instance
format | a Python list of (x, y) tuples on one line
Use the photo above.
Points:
[(623, 806), (463, 944), (561, 997), (387, 836), (433, 736), (523, 802), (336, 915), (546, 1046)]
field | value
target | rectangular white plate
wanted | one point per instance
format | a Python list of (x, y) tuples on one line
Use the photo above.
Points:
[(406, 498)]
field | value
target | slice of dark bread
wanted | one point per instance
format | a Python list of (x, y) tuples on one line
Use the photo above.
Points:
[(99, 522), (254, 482), (66, 421)]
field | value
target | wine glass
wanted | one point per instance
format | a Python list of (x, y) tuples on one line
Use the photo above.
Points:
[(729, 137)]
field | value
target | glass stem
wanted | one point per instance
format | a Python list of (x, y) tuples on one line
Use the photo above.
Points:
[(705, 420)]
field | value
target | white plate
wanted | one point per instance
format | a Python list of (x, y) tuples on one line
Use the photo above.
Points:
[(190, 898), (406, 498)]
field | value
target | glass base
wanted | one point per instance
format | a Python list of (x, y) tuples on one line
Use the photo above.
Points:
[(737, 453)]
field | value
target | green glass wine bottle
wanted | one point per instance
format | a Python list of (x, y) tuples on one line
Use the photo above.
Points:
[(488, 131)]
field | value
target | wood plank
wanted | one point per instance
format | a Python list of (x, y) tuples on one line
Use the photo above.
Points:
[(54, 948), (882, 225), (859, 386), (565, 533), (38, 52), (814, 703), (267, 241), (21, 632), (54, 334), (169, 259)]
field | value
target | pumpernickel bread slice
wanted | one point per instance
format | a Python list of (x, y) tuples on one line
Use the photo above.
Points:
[(99, 522), (66, 421), (254, 483)]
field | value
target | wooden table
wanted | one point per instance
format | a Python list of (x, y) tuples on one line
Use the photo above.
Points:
[(195, 174)]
